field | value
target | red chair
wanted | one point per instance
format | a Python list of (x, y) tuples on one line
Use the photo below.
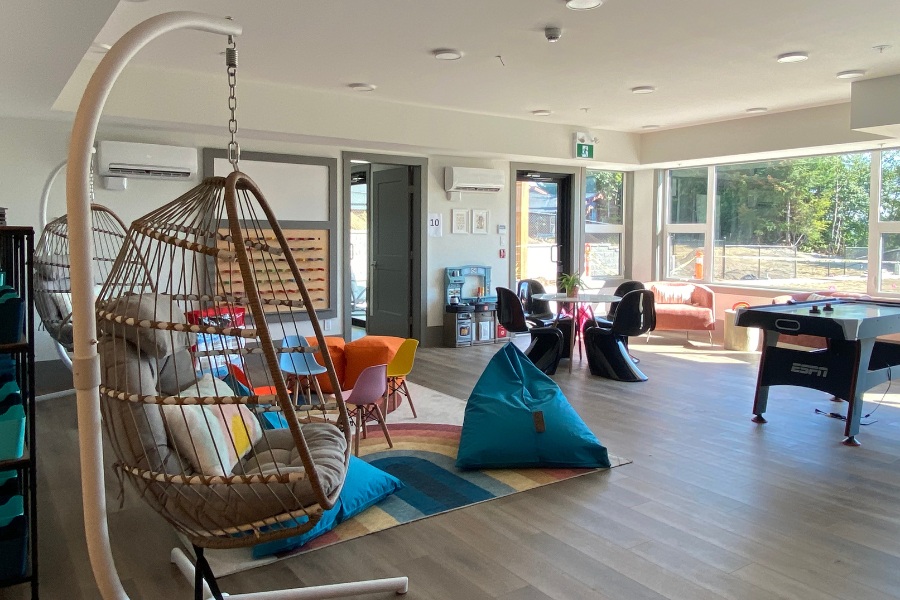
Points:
[(241, 377), (362, 402)]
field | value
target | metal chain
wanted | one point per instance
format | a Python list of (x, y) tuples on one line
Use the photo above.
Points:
[(91, 182), (231, 62)]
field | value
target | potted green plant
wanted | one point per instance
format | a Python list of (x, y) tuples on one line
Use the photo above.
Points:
[(570, 283)]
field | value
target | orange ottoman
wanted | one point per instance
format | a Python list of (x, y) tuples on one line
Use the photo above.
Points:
[(335, 346), (367, 351)]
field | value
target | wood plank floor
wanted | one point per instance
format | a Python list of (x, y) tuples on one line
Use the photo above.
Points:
[(714, 506)]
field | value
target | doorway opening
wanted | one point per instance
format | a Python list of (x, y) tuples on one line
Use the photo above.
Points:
[(544, 240), (383, 245)]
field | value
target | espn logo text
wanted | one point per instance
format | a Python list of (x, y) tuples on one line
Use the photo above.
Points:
[(809, 370)]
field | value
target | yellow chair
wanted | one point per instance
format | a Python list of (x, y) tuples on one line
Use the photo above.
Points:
[(398, 369)]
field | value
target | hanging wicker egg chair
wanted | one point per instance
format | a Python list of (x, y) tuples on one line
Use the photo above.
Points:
[(52, 282), (194, 448)]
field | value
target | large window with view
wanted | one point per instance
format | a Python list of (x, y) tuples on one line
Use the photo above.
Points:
[(604, 225), (801, 223)]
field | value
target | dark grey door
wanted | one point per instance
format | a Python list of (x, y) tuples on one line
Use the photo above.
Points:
[(390, 289)]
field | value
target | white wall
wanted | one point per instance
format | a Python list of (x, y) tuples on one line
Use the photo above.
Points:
[(456, 249), (31, 149)]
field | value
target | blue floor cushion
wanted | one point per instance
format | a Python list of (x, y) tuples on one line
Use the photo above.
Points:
[(364, 486), (517, 417)]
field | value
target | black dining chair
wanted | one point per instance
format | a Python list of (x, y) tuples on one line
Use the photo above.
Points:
[(624, 288), (546, 346), (536, 311), (607, 347)]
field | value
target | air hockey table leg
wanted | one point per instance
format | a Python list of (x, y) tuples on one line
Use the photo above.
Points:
[(761, 399), (854, 411)]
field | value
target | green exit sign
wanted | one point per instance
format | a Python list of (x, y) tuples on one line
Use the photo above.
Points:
[(584, 150)]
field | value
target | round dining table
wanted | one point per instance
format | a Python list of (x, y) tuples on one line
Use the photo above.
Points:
[(578, 301)]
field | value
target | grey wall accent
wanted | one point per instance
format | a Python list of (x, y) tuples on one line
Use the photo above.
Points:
[(331, 225)]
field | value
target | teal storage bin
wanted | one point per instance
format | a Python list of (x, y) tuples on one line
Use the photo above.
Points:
[(13, 549), (12, 433), (12, 319), (7, 368), (10, 396), (12, 508)]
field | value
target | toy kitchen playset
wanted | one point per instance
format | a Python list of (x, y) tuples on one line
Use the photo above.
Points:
[(470, 315)]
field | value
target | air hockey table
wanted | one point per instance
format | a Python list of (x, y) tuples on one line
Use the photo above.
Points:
[(853, 362)]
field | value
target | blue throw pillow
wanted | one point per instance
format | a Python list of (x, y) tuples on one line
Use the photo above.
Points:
[(364, 486), (517, 417)]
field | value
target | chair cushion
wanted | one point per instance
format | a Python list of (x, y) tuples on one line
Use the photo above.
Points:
[(211, 505), (212, 438), (676, 317), (147, 307), (335, 346), (143, 440), (501, 423), (672, 293), (367, 351), (364, 487)]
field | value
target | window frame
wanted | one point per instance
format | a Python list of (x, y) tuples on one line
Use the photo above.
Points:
[(876, 226), (608, 228)]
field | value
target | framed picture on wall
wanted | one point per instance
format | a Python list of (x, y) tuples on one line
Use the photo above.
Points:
[(479, 221), (460, 220)]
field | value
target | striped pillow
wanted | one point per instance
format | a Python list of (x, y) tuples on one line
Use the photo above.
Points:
[(213, 438)]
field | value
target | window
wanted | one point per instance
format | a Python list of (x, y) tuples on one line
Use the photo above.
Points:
[(686, 232), (888, 225), (801, 223), (604, 224)]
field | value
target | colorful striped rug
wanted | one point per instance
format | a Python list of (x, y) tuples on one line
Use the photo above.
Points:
[(423, 458)]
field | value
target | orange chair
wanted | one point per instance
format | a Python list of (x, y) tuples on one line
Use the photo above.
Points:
[(397, 371)]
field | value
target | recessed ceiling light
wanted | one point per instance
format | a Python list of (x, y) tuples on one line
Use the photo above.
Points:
[(583, 4), (851, 74), (447, 54), (643, 89), (792, 57), (650, 127), (362, 87), (757, 109), (543, 112)]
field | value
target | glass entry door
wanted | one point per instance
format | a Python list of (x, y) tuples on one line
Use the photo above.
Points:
[(543, 227)]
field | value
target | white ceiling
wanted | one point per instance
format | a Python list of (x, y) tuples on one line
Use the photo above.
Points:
[(709, 60)]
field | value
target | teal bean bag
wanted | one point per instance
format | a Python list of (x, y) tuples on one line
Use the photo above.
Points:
[(517, 417)]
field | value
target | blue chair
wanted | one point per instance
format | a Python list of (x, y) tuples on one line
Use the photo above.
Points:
[(301, 367)]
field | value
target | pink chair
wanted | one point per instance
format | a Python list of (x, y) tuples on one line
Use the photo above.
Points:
[(362, 402)]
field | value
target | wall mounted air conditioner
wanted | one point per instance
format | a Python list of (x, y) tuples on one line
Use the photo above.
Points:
[(145, 161), (465, 179)]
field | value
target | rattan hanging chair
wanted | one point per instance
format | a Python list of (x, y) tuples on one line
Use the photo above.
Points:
[(192, 447), (52, 271)]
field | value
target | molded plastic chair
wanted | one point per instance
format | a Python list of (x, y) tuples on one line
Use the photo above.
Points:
[(301, 367), (399, 368), (237, 381), (546, 348), (536, 311), (624, 288), (607, 321), (362, 402), (607, 349)]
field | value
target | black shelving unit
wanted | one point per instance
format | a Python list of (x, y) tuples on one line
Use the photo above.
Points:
[(16, 260)]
